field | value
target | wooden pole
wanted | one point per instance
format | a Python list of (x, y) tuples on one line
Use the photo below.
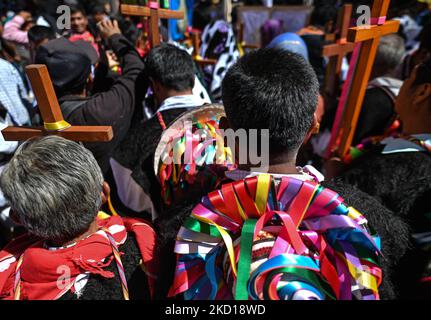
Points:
[(370, 38)]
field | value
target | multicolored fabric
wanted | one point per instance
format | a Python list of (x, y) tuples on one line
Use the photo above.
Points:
[(368, 144), (262, 238), (30, 271), (191, 154), (219, 43)]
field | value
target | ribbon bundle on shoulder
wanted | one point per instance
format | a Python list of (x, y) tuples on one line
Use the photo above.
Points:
[(281, 240)]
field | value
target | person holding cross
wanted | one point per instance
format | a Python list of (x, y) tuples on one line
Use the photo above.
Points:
[(378, 109), (70, 68), (397, 171)]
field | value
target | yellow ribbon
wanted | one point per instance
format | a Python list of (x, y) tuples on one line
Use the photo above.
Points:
[(56, 126), (226, 238), (262, 192)]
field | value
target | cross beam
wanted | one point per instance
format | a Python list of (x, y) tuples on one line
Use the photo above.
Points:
[(369, 37), (337, 51), (154, 13)]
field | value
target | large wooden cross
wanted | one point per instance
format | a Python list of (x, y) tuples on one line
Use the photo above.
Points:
[(54, 123), (369, 37), (154, 13), (337, 51)]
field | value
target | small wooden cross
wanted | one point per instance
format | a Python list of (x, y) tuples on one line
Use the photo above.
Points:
[(369, 37), (337, 51), (196, 49), (54, 123), (154, 13)]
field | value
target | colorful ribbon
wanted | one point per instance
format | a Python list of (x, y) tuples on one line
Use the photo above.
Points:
[(266, 239), (189, 155)]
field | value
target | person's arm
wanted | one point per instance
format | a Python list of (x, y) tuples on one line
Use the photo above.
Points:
[(12, 29), (116, 106)]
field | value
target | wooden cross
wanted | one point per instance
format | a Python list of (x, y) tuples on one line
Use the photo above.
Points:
[(54, 123), (154, 13), (196, 51), (369, 37), (337, 51)]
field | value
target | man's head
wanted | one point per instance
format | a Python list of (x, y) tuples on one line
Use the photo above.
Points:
[(99, 12), (37, 36), (69, 64), (79, 21), (413, 103), (54, 187), (390, 54), (273, 89), (170, 70), (323, 15)]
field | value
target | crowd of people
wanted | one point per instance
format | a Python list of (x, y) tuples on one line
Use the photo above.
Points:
[(169, 208)]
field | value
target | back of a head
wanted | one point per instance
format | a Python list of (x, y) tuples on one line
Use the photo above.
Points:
[(37, 34), (172, 67), (272, 89), (68, 66), (323, 14), (54, 187), (390, 53), (204, 13)]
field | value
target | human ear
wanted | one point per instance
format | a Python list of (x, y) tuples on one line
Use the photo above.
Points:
[(106, 191), (422, 94), (314, 129)]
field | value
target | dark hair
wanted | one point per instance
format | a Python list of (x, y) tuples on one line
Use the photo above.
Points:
[(171, 66), (423, 75), (323, 14), (98, 8), (272, 89), (37, 34), (204, 13), (76, 9)]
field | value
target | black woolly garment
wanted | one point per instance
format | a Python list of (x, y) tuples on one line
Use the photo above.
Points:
[(401, 182), (136, 152), (99, 288), (376, 115), (392, 230)]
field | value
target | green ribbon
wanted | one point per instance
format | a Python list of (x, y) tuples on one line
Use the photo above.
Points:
[(244, 263), (198, 226)]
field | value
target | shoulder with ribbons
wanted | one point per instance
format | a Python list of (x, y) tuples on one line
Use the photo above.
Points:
[(238, 237)]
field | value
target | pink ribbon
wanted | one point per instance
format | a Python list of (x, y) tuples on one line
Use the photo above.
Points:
[(153, 5)]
